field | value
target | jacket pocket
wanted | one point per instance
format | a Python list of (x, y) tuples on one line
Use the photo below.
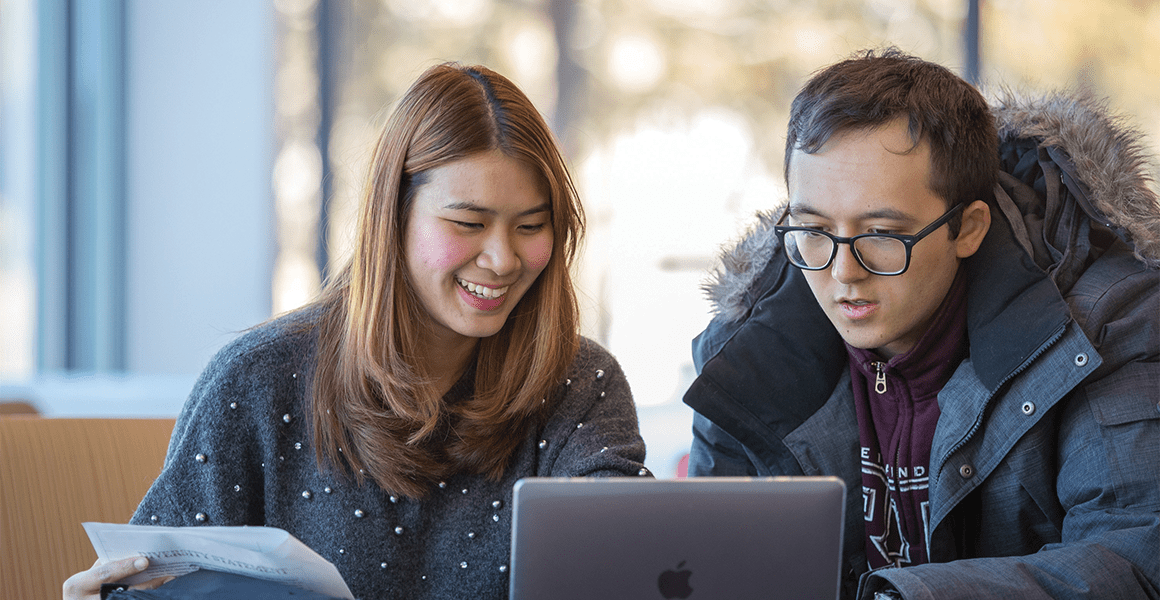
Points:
[(1130, 394), (1125, 406)]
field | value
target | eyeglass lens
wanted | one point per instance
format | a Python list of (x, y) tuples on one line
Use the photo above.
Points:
[(812, 250)]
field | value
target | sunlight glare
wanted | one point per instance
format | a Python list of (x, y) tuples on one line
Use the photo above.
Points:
[(532, 52), (636, 62)]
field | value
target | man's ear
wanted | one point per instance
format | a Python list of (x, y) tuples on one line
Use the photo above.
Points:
[(976, 222)]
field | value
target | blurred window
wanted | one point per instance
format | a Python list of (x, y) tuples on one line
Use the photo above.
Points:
[(672, 114), (62, 187)]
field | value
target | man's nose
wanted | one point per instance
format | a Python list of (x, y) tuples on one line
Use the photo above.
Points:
[(846, 268)]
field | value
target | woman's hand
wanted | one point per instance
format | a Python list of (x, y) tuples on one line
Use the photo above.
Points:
[(86, 585)]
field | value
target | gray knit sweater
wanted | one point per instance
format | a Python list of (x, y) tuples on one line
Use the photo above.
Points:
[(241, 455)]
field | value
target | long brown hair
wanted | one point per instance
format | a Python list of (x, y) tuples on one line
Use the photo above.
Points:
[(375, 412)]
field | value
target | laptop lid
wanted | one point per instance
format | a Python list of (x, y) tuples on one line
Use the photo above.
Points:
[(696, 538)]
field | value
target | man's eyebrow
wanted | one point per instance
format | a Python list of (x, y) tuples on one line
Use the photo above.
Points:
[(889, 214), (797, 210), (469, 206)]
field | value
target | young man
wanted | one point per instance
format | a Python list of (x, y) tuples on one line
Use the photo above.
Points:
[(980, 361)]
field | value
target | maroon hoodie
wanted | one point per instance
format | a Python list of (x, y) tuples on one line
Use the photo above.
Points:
[(897, 407)]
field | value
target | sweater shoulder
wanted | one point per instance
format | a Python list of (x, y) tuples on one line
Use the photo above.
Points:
[(270, 362), (595, 377), (592, 356), (284, 340)]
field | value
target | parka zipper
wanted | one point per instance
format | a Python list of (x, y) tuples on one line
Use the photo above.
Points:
[(880, 376), (979, 419)]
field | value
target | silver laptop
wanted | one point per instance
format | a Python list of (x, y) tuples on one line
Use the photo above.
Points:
[(697, 539)]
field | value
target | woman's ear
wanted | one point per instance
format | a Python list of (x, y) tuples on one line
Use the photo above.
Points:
[(976, 222)]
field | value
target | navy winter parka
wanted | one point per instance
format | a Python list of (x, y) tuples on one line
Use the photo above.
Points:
[(1045, 466)]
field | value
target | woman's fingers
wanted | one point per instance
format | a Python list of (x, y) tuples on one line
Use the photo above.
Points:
[(86, 585)]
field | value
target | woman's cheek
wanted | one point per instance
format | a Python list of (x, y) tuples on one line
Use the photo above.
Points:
[(539, 252), (440, 251), (455, 253)]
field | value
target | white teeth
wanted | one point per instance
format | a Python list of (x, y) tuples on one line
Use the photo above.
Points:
[(482, 291)]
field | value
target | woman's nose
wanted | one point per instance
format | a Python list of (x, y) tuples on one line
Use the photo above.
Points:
[(499, 255)]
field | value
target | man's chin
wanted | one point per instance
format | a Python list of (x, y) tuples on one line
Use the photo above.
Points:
[(860, 339)]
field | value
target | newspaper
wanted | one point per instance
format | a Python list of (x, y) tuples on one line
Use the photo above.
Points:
[(260, 552)]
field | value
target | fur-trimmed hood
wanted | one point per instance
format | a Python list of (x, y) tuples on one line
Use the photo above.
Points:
[(1103, 154)]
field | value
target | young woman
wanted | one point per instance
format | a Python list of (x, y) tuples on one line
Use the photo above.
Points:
[(385, 424)]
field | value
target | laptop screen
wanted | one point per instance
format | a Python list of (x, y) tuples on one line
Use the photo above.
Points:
[(697, 538)]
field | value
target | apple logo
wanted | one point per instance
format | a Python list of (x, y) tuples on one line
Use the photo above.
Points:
[(675, 584)]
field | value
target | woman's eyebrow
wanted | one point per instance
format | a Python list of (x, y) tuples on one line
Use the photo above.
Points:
[(543, 208), (469, 206)]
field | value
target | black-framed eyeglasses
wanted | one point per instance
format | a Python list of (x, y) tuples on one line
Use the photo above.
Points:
[(878, 253)]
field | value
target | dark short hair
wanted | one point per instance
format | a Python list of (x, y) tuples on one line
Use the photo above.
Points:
[(875, 87)]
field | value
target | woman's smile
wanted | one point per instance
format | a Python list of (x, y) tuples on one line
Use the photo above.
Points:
[(482, 291)]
